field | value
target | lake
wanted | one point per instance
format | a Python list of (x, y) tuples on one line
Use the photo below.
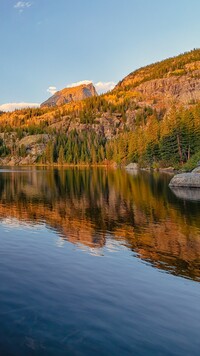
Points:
[(98, 262)]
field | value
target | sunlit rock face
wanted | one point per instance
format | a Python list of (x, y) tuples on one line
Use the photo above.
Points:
[(182, 89), (159, 85), (72, 94)]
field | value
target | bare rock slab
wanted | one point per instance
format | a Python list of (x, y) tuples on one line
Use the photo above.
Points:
[(190, 180)]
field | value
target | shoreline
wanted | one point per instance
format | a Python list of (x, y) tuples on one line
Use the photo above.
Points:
[(107, 166)]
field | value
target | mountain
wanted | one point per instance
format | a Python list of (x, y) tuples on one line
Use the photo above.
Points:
[(68, 95), (172, 81), (151, 117)]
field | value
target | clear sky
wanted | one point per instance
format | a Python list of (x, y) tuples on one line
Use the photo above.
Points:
[(52, 43)]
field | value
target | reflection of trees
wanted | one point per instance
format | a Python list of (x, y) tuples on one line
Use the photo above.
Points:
[(82, 205)]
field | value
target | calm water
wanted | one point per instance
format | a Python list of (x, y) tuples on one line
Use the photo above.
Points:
[(96, 262)]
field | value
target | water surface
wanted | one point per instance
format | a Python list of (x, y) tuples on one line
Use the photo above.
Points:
[(97, 262)]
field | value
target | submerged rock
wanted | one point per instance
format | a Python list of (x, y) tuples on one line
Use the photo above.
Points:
[(167, 170), (186, 193)]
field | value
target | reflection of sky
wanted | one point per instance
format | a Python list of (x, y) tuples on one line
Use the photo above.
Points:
[(54, 294), (15, 226), (13, 223), (110, 246)]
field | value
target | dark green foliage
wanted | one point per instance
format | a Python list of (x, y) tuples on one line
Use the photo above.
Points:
[(192, 162), (22, 151), (75, 148), (143, 114), (167, 142), (4, 151), (152, 153)]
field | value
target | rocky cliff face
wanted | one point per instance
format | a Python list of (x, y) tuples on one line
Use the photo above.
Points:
[(183, 89), (164, 86), (68, 95)]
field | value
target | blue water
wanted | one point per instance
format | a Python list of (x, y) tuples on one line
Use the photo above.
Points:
[(61, 294)]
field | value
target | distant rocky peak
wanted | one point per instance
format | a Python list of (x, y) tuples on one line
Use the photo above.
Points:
[(71, 94)]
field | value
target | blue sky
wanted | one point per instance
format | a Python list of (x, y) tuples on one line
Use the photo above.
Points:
[(52, 43)]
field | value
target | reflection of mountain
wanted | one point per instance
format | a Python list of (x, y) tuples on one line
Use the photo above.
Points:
[(83, 205)]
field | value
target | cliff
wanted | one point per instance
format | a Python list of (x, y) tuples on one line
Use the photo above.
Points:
[(172, 81)]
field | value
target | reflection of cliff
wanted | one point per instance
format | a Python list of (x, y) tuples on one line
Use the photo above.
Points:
[(166, 247), (82, 205), (73, 229)]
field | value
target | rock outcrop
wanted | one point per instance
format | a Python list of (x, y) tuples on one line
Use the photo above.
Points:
[(185, 181), (183, 89), (68, 95), (190, 180), (172, 81)]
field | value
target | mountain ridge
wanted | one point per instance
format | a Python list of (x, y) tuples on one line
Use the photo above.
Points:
[(151, 117)]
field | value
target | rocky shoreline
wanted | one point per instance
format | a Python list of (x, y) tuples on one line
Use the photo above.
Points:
[(187, 180)]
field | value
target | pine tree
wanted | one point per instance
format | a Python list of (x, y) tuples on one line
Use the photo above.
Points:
[(61, 156)]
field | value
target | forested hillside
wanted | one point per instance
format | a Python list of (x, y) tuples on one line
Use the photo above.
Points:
[(151, 117)]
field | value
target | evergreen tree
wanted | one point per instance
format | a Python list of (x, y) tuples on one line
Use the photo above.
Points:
[(61, 158)]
